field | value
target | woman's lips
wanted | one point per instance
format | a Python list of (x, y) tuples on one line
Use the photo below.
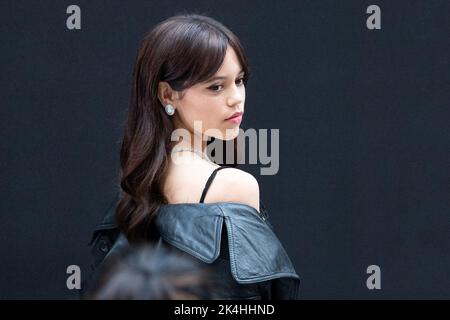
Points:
[(236, 119)]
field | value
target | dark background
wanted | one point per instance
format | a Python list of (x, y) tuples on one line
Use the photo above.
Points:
[(364, 139)]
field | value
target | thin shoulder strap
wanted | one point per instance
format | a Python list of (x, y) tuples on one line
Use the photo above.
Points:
[(210, 180)]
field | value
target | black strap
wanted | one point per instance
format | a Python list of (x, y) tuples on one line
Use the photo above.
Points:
[(210, 180)]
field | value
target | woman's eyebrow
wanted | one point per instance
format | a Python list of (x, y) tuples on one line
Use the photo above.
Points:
[(221, 77)]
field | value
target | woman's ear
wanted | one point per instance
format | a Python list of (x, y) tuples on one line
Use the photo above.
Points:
[(166, 94)]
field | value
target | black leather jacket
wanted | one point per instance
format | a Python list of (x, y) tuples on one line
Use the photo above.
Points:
[(237, 242)]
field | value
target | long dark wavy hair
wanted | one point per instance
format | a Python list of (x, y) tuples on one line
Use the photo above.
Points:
[(183, 50)]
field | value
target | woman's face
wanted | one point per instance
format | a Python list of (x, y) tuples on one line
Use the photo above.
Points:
[(214, 101)]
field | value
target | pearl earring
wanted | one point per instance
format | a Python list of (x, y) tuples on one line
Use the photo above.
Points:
[(170, 110)]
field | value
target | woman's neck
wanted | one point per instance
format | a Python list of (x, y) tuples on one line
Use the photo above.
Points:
[(190, 140)]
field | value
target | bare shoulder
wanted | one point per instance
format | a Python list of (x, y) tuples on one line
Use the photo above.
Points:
[(184, 182), (234, 185)]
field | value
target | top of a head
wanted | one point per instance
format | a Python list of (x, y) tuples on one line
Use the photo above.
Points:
[(149, 273), (187, 49)]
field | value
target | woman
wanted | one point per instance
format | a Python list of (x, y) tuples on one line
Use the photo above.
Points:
[(190, 77)]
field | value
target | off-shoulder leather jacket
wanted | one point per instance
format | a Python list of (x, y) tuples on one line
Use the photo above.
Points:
[(236, 241)]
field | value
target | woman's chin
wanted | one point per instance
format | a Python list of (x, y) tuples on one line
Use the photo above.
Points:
[(231, 134)]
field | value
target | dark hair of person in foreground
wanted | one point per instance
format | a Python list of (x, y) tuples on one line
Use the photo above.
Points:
[(150, 273)]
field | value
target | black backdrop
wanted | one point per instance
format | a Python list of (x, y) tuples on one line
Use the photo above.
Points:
[(364, 139)]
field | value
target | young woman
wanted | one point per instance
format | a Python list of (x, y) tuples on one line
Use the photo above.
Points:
[(190, 77)]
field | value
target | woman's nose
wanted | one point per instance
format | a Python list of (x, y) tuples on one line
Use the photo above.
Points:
[(237, 96)]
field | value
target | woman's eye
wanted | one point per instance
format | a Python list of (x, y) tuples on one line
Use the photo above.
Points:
[(219, 87), (215, 87)]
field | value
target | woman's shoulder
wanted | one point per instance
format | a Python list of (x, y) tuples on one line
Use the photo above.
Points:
[(185, 184), (234, 185)]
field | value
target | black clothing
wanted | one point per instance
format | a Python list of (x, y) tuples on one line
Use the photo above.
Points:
[(237, 242)]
